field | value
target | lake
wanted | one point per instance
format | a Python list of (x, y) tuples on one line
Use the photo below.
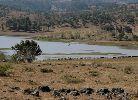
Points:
[(55, 50)]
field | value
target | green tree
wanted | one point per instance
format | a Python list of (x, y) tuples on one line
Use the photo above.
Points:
[(35, 26), (27, 24), (27, 50)]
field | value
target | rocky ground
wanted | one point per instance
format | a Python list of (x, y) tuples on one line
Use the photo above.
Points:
[(99, 79)]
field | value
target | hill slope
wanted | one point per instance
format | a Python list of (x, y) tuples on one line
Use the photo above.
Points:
[(60, 5)]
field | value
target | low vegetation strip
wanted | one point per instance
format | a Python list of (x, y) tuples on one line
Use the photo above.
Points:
[(92, 53), (5, 48)]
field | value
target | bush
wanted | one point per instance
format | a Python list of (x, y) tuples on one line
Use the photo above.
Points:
[(120, 36), (29, 69), (135, 37), (5, 70), (2, 57), (128, 70), (94, 73), (45, 70), (128, 29), (71, 79), (108, 27)]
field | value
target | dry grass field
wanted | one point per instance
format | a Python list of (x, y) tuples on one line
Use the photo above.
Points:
[(76, 74)]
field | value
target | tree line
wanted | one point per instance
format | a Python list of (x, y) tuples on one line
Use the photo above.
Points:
[(22, 24), (118, 20)]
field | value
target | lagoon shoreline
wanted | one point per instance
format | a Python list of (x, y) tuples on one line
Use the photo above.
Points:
[(125, 44)]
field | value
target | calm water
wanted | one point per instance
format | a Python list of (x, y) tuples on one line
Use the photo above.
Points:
[(52, 50)]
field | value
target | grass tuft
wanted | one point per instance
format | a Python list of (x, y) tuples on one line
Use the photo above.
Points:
[(5, 70)]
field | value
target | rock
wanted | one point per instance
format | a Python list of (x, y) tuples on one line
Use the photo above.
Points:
[(87, 91), (68, 90), (28, 91), (34, 92), (4, 98), (39, 65), (65, 91), (62, 98), (103, 91), (45, 88), (15, 88), (76, 66), (90, 98), (3, 60), (11, 90), (75, 93), (117, 91), (56, 93)]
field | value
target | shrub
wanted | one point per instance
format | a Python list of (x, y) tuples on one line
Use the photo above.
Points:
[(128, 70), (45, 70), (5, 70), (2, 57), (71, 79), (128, 29), (108, 27), (29, 69), (96, 65), (120, 36), (135, 37), (27, 50), (82, 64), (94, 73), (14, 58)]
